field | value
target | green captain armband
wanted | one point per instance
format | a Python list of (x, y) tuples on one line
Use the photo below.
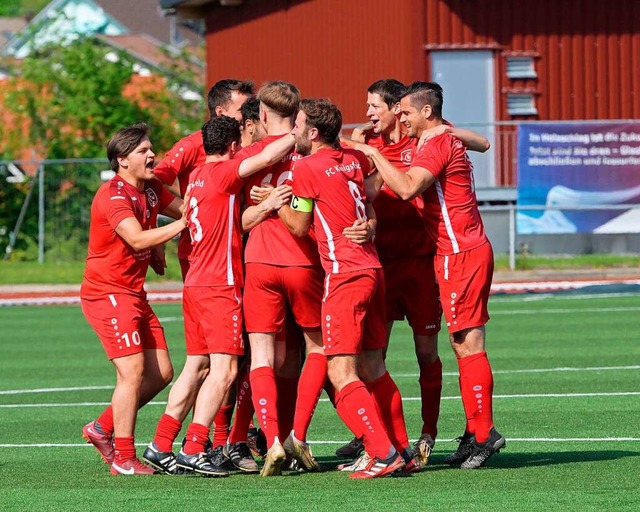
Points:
[(302, 204)]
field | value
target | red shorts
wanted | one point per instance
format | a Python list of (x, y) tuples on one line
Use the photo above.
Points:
[(213, 320), (125, 324), (412, 292), (465, 283), (353, 312), (269, 289)]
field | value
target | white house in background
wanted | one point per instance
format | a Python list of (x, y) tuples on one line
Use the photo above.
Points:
[(154, 41), (65, 20)]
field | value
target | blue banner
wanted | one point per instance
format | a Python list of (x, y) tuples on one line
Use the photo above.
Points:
[(568, 165)]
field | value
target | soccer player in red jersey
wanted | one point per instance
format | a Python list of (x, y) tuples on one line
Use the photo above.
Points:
[(442, 173), (226, 98), (212, 299), (283, 273), (253, 129), (328, 196), (406, 251), (122, 232)]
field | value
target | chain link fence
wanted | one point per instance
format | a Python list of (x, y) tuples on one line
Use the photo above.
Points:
[(45, 213)]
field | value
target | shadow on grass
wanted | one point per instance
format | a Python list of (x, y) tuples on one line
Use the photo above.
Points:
[(506, 460)]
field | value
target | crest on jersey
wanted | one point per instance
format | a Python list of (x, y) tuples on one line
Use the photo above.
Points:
[(406, 156), (152, 197)]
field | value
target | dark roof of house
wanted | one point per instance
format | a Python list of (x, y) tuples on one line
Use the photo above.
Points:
[(146, 17)]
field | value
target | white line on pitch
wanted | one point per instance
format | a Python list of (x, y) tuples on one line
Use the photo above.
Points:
[(52, 390), (395, 375), (561, 311), (440, 440), (535, 370), (404, 399)]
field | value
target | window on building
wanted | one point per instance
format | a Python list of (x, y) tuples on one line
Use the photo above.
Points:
[(521, 67), (521, 104)]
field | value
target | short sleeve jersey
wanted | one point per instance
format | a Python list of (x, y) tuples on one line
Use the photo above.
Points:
[(270, 241), (185, 156), (400, 232), (450, 206), (113, 266), (213, 215), (334, 179)]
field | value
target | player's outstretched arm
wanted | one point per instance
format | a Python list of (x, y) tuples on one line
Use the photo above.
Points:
[(268, 156), (473, 141), (140, 239)]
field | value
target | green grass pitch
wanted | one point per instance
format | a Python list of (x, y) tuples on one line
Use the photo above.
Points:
[(567, 386)]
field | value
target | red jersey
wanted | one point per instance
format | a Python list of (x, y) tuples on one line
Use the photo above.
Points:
[(270, 241), (450, 206), (400, 232), (185, 156), (113, 266), (334, 179), (214, 223)]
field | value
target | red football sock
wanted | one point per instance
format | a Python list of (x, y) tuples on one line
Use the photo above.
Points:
[(244, 410), (476, 381), (197, 437), (430, 392), (125, 449), (105, 421), (265, 401), (386, 396), (312, 379), (358, 410), (221, 424), (287, 400), (166, 432)]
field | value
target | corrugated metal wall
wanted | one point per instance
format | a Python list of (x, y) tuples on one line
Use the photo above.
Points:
[(587, 52), (328, 48)]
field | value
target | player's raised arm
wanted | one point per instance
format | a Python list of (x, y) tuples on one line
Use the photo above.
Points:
[(268, 156)]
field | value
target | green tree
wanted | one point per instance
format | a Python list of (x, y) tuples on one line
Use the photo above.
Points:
[(73, 98)]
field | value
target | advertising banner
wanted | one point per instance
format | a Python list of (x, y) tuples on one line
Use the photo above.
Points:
[(581, 164)]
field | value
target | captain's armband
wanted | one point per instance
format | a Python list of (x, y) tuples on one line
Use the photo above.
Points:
[(302, 204)]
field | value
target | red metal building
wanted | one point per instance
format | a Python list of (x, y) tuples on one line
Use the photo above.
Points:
[(515, 59)]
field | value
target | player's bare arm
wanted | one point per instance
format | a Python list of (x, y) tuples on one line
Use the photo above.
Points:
[(297, 216), (260, 193), (473, 141), (140, 239), (268, 156), (407, 185), (174, 209), (373, 183), (254, 215)]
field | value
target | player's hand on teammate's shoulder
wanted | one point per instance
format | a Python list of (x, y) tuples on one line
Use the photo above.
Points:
[(359, 132), (431, 133), (366, 149)]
